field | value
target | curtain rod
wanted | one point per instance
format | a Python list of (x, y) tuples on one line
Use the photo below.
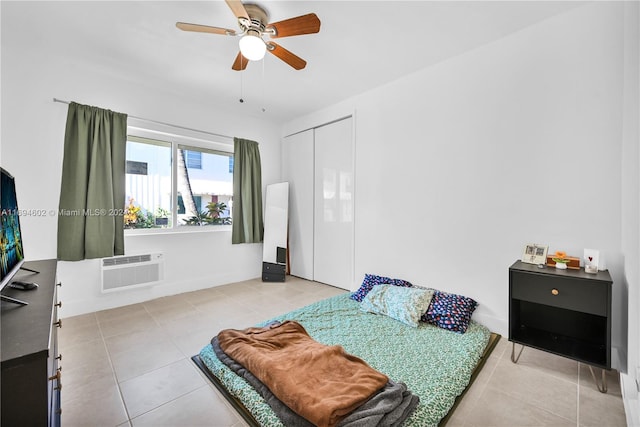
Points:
[(163, 123)]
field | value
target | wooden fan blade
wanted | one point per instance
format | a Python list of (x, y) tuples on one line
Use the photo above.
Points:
[(240, 63), (238, 8), (184, 26), (288, 57), (305, 24)]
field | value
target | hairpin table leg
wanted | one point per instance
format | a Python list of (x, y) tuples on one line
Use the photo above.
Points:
[(602, 389), (515, 359)]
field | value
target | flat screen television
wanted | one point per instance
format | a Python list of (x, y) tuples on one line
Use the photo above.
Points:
[(11, 250)]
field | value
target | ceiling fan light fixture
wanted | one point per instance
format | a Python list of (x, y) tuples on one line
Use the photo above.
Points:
[(252, 46), (254, 24)]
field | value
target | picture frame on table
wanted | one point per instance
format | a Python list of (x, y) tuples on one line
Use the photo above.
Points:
[(591, 260), (534, 253)]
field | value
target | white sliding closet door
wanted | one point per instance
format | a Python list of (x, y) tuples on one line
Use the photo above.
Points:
[(297, 161), (333, 199)]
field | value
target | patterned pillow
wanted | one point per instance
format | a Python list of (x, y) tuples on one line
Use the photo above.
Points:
[(401, 303), (450, 311), (371, 280)]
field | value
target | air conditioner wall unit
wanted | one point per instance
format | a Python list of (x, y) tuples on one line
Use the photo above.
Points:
[(131, 271)]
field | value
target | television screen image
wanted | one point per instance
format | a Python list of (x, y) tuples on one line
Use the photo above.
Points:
[(11, 251)]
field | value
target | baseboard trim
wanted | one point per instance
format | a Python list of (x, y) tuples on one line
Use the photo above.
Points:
[(630, 400)]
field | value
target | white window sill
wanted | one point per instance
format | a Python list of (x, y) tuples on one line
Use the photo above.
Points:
[(177, 230)]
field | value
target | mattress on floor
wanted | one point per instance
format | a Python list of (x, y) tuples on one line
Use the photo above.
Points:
[(436, 364)]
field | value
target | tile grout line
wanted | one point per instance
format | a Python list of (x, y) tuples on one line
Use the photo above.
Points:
[(113, 371)]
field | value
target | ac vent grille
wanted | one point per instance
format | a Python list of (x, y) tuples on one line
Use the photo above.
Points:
[(132, 259)]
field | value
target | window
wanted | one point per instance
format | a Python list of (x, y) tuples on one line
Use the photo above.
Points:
[(193, 159), (181, 208), (194, 190), (148, 183), (206, 192)]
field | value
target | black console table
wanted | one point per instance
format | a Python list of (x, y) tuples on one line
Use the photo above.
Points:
[(565, 312), (30, 374)]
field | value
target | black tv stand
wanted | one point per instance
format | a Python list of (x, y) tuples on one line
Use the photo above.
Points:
[(13, 300), (30, 371)]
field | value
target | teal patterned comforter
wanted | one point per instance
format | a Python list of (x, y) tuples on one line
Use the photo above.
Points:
[(435, 364)]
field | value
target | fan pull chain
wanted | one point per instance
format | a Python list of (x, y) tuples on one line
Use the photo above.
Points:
[(263, 108), (241, 73)]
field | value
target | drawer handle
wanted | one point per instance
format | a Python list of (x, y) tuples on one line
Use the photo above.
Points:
[(554, 291), (56, 376), (59, 304), (58, 323)]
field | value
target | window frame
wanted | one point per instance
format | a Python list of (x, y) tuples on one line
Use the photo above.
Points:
[(213, 146)]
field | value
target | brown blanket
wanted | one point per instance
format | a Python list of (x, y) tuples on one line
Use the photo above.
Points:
[(321, 383)]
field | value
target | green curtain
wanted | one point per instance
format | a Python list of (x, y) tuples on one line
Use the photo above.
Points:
[(248, 226), (92, 195)]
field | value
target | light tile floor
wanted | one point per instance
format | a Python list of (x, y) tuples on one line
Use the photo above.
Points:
[(131, 366)]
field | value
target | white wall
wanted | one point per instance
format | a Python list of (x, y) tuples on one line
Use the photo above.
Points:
[(459, 165), (32, 150), (631, 206)]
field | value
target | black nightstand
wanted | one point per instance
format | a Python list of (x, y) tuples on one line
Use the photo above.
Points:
[(565, 312)]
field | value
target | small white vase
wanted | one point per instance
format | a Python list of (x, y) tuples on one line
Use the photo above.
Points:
[(561, 265)]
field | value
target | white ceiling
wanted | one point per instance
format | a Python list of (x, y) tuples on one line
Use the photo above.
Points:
[(361, 45)]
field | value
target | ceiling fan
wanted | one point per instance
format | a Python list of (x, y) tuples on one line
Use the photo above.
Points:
[(253, 21)]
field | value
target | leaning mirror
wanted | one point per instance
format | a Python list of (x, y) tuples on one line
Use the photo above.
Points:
[(276, 220)]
